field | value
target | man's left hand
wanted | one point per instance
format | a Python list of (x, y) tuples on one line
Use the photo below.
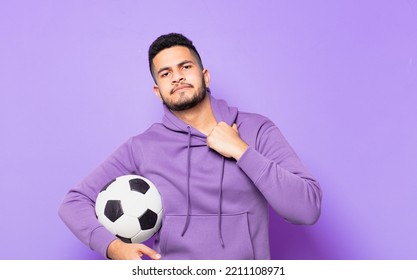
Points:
[(225, 140)]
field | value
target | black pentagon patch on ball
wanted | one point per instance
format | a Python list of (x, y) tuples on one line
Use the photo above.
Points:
[(124, 239), (113, 210), (148, 220), (139, 185)]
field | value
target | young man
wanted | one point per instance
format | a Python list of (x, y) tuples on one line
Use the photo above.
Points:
[(217, 169)]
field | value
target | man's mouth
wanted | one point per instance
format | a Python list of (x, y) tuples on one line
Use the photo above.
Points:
[(181, 87)]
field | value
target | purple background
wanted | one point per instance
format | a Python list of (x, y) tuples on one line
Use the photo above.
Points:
[(338, 77)]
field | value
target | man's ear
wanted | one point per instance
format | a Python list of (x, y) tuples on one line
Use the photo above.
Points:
[(157, 92), (206, 76)]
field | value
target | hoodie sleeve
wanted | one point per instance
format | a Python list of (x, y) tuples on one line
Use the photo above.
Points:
[(281, 177), (77, 209)]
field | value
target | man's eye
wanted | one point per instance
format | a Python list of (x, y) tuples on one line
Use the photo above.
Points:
[(187, 67), (163, 75)]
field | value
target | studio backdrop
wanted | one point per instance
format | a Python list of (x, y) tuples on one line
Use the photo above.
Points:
[(339, 78)]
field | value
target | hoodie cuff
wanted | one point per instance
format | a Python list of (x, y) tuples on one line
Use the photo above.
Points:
[(100, 240), (253, 164)]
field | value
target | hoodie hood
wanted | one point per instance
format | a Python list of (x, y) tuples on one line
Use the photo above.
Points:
[(221, 111)]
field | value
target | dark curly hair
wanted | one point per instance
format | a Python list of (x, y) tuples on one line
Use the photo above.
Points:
[(167, 41)]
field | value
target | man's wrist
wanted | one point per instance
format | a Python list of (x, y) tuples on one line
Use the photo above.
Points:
[(240, 151), (112, 248)]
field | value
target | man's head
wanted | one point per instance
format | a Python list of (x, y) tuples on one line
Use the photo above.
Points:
[(167, 41), (181, 82)]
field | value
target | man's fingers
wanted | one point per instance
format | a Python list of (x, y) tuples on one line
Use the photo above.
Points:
[(149, 252), (234, 126)]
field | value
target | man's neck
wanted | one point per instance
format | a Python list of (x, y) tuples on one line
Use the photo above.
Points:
[(200, 117)]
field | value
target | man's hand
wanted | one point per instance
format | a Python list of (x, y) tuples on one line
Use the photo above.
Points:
[(119, 250), (225, 140)]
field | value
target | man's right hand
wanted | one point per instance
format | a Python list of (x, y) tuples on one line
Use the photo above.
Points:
[(119, 250)]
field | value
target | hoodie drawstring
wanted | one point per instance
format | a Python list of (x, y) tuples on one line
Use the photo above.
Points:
[(187, 221), (219, 213), (220, 204)]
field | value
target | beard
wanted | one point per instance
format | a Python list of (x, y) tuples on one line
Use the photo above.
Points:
[(187, 103)]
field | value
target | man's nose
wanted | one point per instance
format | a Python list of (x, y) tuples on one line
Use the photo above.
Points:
[(177, 77)]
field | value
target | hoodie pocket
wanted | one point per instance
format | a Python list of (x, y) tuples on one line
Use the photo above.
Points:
[(202, 240)]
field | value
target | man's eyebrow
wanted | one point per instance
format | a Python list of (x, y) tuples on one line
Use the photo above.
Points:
[(179, 65), (162, 69), (185, 62)]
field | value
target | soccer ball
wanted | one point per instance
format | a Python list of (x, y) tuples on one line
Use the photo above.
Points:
[(130, 207)]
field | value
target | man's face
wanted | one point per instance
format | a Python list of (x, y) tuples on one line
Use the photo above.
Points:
[(180, 81)]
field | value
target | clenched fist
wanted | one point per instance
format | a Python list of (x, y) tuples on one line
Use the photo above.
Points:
[(225, 140)]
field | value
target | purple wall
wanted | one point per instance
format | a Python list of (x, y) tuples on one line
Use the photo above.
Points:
[(339, 78)]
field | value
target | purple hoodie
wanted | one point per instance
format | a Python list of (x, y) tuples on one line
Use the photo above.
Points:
[(214, 207)]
